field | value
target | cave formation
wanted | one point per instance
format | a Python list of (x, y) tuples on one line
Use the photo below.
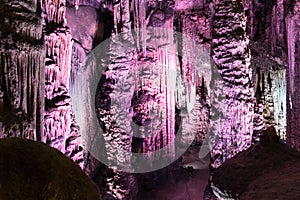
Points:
[(52, 89)]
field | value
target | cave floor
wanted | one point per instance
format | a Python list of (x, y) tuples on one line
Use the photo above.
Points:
[(183, 185)]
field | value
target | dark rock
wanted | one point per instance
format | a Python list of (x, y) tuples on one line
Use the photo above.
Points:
[(33, 170), (269, 136), (261, 172)]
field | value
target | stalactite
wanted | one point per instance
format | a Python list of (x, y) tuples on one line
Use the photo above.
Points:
[(54, 10), (111, 93), (60, 129), (140, 22), (270, 106), (122, 20), (266, 28), (196, 26), (21, 71), (273, 100), (258, 119), (58, 47)]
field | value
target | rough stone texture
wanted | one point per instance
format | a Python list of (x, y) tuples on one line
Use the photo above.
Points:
[(271, 91), (35, 70), (60, 129), (196, 25), (112, 183), (266, 29), (231, 54), (273, 29), (122, 185), (92, 3), (21, 70)]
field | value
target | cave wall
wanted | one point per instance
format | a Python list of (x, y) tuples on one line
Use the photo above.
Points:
[(160, 14), (273, 30), (60, 130), (35, 67), (44, 45), (22, 57), (293, 43), (266, 29)]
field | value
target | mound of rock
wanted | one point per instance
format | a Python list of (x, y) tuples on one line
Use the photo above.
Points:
[(268, 170), (33, 170)]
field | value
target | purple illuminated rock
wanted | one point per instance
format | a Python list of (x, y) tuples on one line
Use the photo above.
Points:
[(230, 52), (60, 129)]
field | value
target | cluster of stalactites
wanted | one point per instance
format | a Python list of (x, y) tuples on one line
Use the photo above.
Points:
[(60, 129), (21, 70)]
